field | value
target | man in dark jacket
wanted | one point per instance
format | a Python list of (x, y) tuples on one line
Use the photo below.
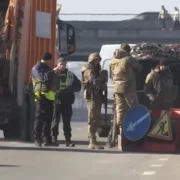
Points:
[(159, 87), (42, 78), (67, 85)]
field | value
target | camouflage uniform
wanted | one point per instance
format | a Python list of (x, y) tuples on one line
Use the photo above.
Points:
[(93, 85), (160, 89), (123, 68)]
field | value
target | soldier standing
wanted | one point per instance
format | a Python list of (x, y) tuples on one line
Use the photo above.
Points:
[(159, 87), (114, 130), (93, 84), (124, 82)]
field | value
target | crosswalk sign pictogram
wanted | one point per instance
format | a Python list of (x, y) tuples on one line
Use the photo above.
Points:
[(162, 128)]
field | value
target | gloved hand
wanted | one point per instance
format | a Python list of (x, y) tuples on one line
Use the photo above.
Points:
[(93, 81), (151, 97)]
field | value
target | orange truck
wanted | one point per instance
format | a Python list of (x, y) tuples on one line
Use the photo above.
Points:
[(27, 29)]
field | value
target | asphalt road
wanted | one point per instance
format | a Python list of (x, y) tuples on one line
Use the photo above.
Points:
[(23, 161)]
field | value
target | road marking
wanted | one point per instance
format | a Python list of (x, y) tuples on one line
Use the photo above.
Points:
[(156, 165), (148, 173), (163, 159)]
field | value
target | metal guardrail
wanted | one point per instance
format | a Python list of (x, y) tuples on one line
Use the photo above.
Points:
[(143, 21), (109, 16)]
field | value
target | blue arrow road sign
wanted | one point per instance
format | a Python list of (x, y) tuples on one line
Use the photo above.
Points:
[(136, 123)]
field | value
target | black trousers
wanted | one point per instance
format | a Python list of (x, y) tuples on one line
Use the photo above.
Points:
[(43, 120), (64, 110)]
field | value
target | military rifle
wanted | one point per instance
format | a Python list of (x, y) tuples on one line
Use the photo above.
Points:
[(114, 131), (105, 104), (104, 76), (114, 126)]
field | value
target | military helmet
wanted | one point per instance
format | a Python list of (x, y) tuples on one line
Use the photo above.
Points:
[(126, 47), (94, 56)]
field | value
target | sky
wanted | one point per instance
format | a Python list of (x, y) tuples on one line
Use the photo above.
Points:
[(112, 6)]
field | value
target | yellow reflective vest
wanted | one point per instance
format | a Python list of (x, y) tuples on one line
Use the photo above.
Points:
[(50, 95)]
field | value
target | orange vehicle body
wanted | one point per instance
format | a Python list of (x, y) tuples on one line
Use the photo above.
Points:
[(19, 33), (30, 47), (29, 28)]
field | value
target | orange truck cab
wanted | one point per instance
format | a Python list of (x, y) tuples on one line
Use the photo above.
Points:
[(27, 29)]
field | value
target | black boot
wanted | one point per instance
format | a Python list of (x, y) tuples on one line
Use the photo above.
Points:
[(54, 142), (69, 143), (38, 142), (47, 142)]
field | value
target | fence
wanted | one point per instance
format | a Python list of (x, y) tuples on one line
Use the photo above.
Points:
[(111, 17)]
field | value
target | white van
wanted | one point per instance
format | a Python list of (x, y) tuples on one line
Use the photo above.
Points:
[(75, 66), (107, 50), (106, 54)]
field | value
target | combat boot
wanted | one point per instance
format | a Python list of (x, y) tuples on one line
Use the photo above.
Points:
[(47, 142), (55, 142), (69, 143), (37, 142), (93, 144)]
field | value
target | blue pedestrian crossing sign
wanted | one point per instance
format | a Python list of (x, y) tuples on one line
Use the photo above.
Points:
[(136, 123)]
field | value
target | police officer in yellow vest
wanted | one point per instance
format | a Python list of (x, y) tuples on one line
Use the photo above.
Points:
[(68, 84), (42, 78)]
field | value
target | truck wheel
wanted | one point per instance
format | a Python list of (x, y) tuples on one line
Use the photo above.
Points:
[(11, 131), (10, 134), (7, 133)]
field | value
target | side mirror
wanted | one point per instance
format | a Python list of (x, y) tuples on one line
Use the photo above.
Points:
[(71, 45), (66, 38)]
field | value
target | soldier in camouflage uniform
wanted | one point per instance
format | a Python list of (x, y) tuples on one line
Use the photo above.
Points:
[(93, 84), (159, 87), (124, 69), (114, 129)]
